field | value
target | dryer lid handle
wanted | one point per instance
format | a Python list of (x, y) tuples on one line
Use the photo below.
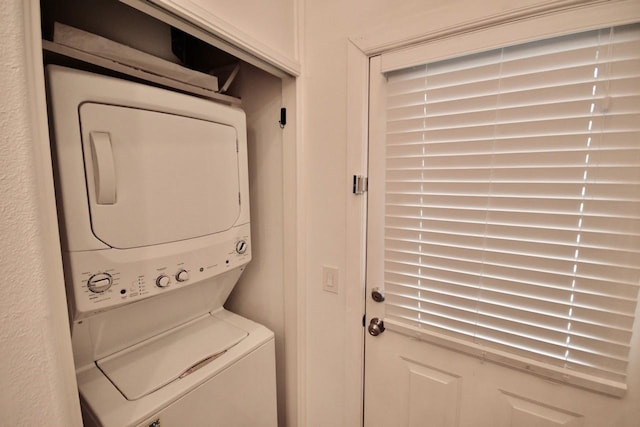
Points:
[(104, 171)]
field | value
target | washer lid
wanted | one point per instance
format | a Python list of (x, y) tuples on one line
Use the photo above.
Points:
[(154, 177), (152, 364)]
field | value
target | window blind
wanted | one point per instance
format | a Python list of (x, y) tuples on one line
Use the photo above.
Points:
[(512, 200)]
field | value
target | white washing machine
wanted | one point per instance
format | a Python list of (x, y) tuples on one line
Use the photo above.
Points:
[(153, 200)]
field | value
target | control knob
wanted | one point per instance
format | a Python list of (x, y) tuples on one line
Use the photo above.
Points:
[(162, 281), (182, 275), (100, 282), (241, 246)]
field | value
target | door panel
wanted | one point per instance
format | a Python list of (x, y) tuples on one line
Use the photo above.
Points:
[(411, 382)]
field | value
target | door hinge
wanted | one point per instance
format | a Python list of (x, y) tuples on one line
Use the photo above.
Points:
[(360, 184)]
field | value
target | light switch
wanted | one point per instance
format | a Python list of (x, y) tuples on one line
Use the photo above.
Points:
[(330, 279)]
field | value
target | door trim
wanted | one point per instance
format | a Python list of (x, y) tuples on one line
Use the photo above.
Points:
[(356, 219), (452, 20)]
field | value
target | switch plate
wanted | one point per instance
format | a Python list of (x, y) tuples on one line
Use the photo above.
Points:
[(330, 279)]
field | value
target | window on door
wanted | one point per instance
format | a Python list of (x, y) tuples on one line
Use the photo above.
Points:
[(512, 219)]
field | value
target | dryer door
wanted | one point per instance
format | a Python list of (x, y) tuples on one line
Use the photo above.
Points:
[(155, 178)]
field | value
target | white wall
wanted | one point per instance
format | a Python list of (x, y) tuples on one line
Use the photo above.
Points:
[(259, 295), (36, 373), (328, 25)]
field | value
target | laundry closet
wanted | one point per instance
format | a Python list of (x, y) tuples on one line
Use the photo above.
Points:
[(260, 88)]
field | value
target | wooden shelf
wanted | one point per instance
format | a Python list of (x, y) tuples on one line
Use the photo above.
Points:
[(88, 58)]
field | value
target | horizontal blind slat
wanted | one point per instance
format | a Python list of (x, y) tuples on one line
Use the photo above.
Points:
[(512, 199)]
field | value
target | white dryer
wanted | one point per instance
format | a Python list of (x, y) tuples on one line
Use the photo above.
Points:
[(153, 200)]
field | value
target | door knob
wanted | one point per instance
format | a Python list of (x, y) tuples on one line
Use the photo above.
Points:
[(376, 327)]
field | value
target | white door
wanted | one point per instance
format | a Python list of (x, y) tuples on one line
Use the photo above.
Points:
[(431, 379)]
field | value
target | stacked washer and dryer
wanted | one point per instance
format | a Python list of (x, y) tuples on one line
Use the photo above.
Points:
[(153, 200)]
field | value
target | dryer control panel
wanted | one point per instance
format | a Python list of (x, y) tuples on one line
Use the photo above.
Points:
[(104, 280)]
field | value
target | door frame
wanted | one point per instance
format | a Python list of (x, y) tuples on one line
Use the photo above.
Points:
[(475, 29)]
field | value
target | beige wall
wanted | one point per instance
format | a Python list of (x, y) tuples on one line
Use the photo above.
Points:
[(327, 27), (36, 373)]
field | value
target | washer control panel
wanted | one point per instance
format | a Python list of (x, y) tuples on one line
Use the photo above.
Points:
[(105, 282)]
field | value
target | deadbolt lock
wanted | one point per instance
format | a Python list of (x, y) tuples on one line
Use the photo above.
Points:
[(377, 295)]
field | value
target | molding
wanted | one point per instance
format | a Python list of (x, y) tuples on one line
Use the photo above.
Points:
[(297, 416), (294, 310), (239, 42)]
